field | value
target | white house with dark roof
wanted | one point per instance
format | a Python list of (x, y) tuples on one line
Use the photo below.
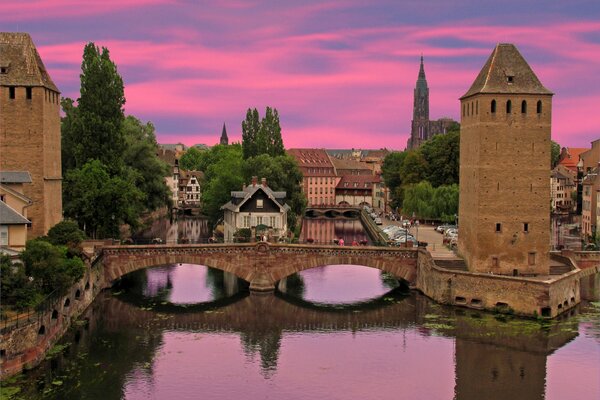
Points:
[(253, 206), (13, 210)]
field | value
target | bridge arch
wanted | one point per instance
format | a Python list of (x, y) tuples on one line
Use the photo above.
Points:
[(261, 264)]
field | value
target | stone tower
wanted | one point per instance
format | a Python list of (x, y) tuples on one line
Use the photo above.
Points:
[(504, 167), (30, 128), (224, 138), (420, 121)]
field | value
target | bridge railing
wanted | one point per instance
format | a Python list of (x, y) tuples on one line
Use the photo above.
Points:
[(29, 315)]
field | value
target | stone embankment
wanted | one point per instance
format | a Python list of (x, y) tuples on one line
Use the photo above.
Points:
[(25, 346)]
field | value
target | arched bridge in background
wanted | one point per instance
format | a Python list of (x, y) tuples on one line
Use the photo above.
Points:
[(347, 212), (261, 264)]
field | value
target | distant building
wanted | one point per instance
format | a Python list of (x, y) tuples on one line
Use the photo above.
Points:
[(562, 187), (172, 181), (422, 128), (504, 218), (30, 128), (569, 157), (224, 139), (13, 210), (591, 157), (319, 176), (178, 148), (591, 185), (255, 206), (189, 188)]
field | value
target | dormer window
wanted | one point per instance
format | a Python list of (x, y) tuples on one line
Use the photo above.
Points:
[(3, 70), (259, 203), (510, 79)]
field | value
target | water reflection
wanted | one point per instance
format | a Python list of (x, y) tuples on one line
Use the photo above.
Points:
[(328, 230), (179, 284), (259, 346), (178, 229)]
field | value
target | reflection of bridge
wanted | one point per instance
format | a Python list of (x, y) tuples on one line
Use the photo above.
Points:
[(333, 212), (262, 264)]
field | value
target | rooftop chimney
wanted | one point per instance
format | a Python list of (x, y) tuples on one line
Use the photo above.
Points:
[(254, 180), (263, 181)]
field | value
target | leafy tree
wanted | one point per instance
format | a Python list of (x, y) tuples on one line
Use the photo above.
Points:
[(66, 233), (414, 167), (392, 177), (94, 131), (140, 156), (445, 202), (442, 157), (221, 177), (250, 128), (101, 203), (262, 137), (283, 174), (50, 267), (417, 200), (16, 289), (554, 154), (192, 160)]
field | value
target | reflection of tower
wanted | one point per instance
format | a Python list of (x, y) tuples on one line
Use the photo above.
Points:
[(486, 371)]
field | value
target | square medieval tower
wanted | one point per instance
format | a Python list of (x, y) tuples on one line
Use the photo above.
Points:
[(30, 128), (504, 211)]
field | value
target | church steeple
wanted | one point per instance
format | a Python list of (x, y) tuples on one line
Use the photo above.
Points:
[(421, 96), (224, 138)]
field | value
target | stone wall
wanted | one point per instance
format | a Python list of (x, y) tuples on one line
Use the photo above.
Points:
[(522, 296), (25, 346)]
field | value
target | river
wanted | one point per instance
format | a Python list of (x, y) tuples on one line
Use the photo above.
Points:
[(337, 332)]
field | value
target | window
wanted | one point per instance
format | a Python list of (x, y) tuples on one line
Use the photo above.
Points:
[(531, 258), (498, 227), (28, 93), (508, 107), (494, 262), (246, 221), (259, 220), (523, 107), (493, 107), (1, 197), (11, 92), (525, 227), (3, 70), (273, 222), (259, 203), (510, 79), (3, 235), (477, 107), (539, 107)]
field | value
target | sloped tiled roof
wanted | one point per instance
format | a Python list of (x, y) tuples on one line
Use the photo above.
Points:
[(506, 61), (8, 216), (311, 157), (15, 177), (244, 195), (348, 164), (572, 158), (25, 67)]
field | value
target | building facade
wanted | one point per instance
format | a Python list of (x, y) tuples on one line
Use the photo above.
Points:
[(591, 185), (562, 189), (30, 128), (319, 176), (13, 210), (422, 128), (190, 194), (258, 208), (504, 213)]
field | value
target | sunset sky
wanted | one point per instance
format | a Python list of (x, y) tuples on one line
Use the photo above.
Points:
[(341, 73)]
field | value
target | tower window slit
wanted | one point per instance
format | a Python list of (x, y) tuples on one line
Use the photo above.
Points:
[(493, 106), (539, 107), (508, 107)]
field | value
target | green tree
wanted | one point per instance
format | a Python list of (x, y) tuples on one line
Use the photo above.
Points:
[(554, 154), (192, 160), (445, 202), (392, 177), (50, 267), (101, 203), (413, 168), (94, 130), (16, 289), (417, 200), (222, 176), (140, 156), (262, 137), (250, 129), (442, 157)]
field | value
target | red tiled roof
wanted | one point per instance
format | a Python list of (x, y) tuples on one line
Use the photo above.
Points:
[(311, 157), (572, 158)]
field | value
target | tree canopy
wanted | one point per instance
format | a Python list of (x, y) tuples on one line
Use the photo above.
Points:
[(262, 136)]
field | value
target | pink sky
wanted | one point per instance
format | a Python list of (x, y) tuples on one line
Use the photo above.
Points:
[(341, 73)]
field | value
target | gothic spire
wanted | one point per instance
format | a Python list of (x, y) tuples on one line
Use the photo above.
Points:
[(224, 138)]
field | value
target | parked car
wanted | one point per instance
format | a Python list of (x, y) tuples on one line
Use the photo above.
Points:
[(378, 221)]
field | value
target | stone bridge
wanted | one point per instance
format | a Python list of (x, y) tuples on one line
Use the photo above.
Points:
[(333, 212), (261, 264)]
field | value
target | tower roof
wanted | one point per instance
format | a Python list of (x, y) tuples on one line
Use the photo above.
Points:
[(421, 80), (23, 64), (506, 71), (224, 138)]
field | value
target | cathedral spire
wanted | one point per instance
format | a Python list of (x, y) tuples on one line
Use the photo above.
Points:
[(224, 138)]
